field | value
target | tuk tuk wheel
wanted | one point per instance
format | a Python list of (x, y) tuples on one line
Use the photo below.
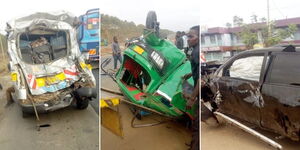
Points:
[(82, 103), (151, 20)]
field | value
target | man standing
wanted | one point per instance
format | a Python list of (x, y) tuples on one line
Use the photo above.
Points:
[(179, 41), (193, 41), (185, 42), (116, 51)]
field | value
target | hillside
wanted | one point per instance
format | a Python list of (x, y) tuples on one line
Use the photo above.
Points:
[(113, 26), (3, 53)]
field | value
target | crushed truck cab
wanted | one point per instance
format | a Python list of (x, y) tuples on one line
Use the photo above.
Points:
[(47, 68)]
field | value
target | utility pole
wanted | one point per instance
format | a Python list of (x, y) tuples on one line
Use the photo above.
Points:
[(268, 20)]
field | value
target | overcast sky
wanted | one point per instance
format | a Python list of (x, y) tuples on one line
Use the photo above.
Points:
[(172, 14), (13, 8), (218, 12)]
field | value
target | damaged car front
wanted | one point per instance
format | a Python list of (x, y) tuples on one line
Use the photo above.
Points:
[(46, 65)]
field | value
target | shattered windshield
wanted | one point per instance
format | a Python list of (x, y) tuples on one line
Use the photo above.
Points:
[(43, 46)]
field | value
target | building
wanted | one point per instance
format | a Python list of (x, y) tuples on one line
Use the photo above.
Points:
[(220, 43)]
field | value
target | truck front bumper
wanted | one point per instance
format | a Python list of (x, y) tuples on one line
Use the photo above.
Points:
[(47, 106)]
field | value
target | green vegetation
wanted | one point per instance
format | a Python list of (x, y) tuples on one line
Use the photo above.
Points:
[(249, 35), (269, 35), (3, 47), (277, 35), (113, 26), (3, 53)]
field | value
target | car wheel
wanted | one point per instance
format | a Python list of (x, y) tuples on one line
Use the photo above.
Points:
[(82, 103), (208, 117)]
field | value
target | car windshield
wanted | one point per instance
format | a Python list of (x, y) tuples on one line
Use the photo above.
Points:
[(43, 46)]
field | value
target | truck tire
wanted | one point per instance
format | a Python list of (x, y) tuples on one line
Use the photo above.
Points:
[(82, 103), (25, 114)]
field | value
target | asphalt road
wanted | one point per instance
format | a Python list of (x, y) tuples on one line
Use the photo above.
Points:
[(167, 136), (70, 129)]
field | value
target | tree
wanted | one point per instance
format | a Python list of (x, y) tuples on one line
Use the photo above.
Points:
[(263, 19), (228, 25), (237, 21), (249, 36), (277, 35), (113, 26), (254, 18)]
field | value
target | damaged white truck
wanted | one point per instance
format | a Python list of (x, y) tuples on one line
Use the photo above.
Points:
[(46, 65)]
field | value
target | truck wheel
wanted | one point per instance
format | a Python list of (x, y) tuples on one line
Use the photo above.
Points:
[(82, 103), (25, 114)]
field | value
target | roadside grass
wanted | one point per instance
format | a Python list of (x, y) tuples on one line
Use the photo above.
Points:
[(3, 54)]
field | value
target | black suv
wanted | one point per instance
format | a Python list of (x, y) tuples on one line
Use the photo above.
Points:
[(261, 87)]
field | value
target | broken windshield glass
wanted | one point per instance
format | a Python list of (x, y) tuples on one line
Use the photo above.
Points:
[(43, 46)]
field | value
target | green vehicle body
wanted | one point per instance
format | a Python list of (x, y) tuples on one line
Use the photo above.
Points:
[(164, 90)]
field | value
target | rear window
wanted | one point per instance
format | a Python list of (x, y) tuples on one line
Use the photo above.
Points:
[(285, 69), (41, 46)]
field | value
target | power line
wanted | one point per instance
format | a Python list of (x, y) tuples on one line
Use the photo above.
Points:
[(278, 9)]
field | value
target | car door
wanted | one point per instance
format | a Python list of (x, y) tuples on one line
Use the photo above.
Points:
[(239, 86), (281, 95)]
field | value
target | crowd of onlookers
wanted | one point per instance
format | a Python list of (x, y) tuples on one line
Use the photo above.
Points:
[(181, 41)]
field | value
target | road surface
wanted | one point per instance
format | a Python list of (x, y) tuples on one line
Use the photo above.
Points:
[(227, 137)]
